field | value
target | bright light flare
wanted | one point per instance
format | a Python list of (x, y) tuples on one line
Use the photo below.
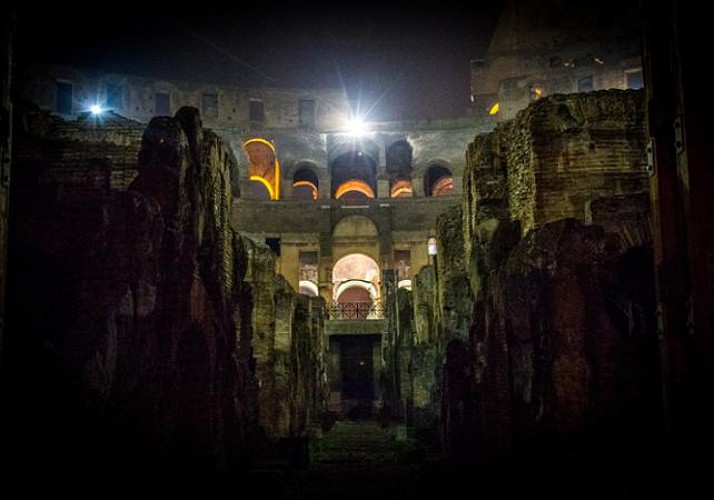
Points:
[(356, 126), (96, 110)]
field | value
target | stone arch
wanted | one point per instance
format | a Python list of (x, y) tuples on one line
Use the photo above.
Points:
[(308, 288), (356, 270), (438, 180), (263, 168), (354, 160), (305, 182), (399, 165), (400, 188), (355, 227), (356, 234), (355, 190), (346, 286)]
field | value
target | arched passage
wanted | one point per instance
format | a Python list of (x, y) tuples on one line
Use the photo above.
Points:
[(438, 181), (353, 171), (401, 188), (354, 190), (399, 169), (263, 169), (356, 286), (306, 184)]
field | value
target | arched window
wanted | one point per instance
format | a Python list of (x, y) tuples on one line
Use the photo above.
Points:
[(401, 188), (264, 169), (354, 170), (438, 181), (308, 288), (356, 286), (354, 190), (306, 185)]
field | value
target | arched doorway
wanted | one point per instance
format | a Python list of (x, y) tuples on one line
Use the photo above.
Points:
[(306, 184), (438, 181), (356, 287), (399, 169), (354, 173), (263, 169)]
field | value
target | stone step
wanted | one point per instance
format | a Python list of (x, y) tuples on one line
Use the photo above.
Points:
[(358, 442)]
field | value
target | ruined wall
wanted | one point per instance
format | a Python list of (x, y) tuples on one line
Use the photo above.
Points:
[(288, 348), (455, 305), (131, 340), (563, 151), (427, 350), (561, 351)]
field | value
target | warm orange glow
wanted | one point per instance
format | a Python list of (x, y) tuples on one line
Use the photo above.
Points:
[(266, 184), (309, 184), (443, 186), (493, 110), (260, 140), (401, 189), (264, 165), (354, 185)]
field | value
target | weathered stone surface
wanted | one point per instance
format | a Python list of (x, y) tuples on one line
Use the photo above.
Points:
[(427, 350), (562, 345), (138, 309), (288, 348), (562, 152), (455, 305)]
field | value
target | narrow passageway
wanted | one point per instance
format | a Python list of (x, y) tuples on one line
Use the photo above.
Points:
[(368, 460), (353, 459)]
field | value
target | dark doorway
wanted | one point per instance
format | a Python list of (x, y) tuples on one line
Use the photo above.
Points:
[(357, 373)]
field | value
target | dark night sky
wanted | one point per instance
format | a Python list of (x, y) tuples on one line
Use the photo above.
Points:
[(411, 60)]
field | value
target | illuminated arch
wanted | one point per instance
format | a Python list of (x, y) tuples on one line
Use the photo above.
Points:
[(443, 186), (308, 288), (305, 184), (438, 181), (370, 288), (405, 284), (352, 165), (356, 269), (354, 185), (401, 188), (264, 166)]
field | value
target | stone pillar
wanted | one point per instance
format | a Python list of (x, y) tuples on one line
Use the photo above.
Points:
[(334, 380), (417, 184)]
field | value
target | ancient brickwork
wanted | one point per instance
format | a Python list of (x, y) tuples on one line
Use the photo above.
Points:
[(561, 346), (138, 308), (455, 305), (562, 152)]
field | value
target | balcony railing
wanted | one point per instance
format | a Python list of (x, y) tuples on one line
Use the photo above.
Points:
[(356, 310)]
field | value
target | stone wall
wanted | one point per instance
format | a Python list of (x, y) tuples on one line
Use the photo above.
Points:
[(563, 151), (559, 357), (135, 97), (136, 342), (288, 348)]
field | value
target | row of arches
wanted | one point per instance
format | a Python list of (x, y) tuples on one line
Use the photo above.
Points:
[(353, 174)]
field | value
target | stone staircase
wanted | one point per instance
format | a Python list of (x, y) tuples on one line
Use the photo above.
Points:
[(360, 442)]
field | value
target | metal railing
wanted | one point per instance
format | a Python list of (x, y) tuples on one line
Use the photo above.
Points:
[(356, 310)]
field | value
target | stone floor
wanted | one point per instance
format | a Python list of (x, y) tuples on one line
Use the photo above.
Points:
[(363, 460), (367, 461)]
